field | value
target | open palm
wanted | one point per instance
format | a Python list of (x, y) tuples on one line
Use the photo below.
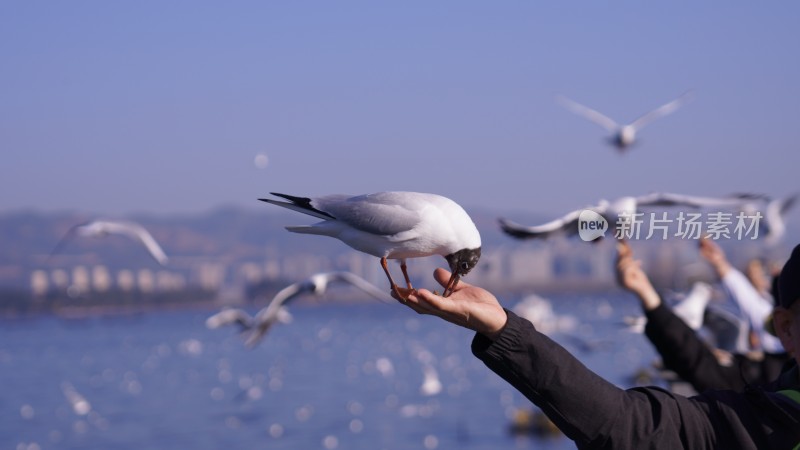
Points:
[(468, 306)]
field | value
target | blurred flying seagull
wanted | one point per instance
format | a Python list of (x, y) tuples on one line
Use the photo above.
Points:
[(102, 228), (240, 317), (316, 284), (691, 308), (773, 224), (394, 225), (623, 136), (621, 210), (775, 218), (230, 316)]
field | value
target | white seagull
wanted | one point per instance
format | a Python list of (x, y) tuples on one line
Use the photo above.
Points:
[(772, 225), (621, 210), (102, 228), (230, 316), (316, 284), (394, 225), (775, 218), (240, 317), (623, 136), (691, 308)]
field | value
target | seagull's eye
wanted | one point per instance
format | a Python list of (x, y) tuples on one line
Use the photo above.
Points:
[(464, 265)]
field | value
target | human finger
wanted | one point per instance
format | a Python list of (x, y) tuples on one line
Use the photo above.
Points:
[(442, 276)]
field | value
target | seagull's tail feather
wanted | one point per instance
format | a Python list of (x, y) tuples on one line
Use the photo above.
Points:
[(299, 204)]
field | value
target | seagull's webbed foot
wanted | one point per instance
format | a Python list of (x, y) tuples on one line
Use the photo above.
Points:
[(403, 293)]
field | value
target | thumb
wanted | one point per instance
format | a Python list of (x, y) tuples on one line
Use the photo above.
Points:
[(442, 276)]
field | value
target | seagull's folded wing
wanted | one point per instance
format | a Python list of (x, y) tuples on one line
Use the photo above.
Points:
[(386, 213)]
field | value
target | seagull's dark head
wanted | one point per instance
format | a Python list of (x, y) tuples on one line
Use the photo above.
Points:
[(462, 261)]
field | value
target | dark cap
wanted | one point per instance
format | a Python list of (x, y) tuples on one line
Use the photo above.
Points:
[(789, 280)]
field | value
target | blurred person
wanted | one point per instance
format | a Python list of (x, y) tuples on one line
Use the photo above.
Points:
[(597, 414), (751, 295), (681, 347)]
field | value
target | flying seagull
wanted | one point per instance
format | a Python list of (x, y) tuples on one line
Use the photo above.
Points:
[(618, 211), (772, 225), (240, 317), (623, 136), (102, 228), (230, 316), (275, 311), (394, 225)]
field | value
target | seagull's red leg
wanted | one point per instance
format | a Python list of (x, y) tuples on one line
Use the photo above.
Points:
[(403, 267), (391, 281)]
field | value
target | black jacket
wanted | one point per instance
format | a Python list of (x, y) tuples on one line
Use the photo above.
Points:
[(596, 414), (686, 354)]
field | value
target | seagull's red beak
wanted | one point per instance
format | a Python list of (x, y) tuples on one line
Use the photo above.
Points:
[(451, 284)]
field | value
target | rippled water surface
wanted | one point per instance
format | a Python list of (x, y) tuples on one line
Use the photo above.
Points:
[(339, 376)]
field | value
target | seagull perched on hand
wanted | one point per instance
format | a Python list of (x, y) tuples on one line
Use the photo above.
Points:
[(102, 228), (623, 136), (316, 284), (394, 225), (621, 210)]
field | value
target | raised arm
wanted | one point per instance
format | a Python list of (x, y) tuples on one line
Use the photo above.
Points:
[(754, 306), (680, 347)]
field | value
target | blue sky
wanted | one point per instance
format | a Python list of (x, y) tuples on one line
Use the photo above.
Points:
[(161, 107)]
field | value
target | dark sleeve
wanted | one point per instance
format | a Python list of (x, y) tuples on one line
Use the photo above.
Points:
[(686, 354), (588, 409)]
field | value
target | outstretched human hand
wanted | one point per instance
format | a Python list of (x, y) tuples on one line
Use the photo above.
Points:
[(468, 306), (631, 276), (715, 256)]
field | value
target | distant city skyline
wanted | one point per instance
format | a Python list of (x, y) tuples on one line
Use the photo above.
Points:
[(117, 109)]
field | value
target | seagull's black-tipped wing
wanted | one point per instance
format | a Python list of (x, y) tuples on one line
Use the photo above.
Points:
[(299, 204), (567, 225), (63, 241)]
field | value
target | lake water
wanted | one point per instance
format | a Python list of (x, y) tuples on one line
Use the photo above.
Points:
[(340, 376)]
